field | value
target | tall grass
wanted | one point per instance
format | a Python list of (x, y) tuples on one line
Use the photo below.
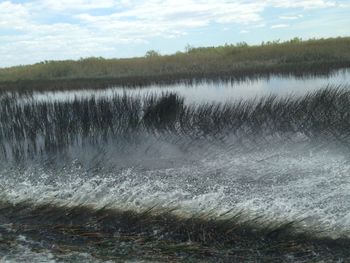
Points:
[(225, 62), (32, 128)]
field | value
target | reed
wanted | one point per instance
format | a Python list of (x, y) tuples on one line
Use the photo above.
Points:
[(30, 128)]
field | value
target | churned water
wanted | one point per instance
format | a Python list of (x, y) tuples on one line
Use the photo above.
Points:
[(270, 161)]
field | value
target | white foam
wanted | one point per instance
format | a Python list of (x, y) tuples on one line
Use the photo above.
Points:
[(279, 184)]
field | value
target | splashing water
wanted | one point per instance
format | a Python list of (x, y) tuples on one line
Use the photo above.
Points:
[(294, 175)]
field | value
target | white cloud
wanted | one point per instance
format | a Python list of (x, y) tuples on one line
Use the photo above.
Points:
[(290, 17), (61, 5), (92, 27), (279, 26), (157, 18), (13, 16), (306, 4), (344, 5)]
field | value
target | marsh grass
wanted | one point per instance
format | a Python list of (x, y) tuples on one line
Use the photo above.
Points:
[(155, 234), (30, 128), (229, 62)]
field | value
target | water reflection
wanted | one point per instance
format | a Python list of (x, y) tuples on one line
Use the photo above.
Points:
[(223, 91)]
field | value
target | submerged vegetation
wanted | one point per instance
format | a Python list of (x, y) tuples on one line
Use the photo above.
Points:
[(224, 62), (161, 236)]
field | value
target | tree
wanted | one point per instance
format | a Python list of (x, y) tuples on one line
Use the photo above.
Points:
[(189, 48), (242, 44), (296, 40), (152, 53)]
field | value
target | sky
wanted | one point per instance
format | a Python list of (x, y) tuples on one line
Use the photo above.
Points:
[(36, 30)]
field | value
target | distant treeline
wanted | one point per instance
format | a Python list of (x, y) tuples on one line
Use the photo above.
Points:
[(315, 56)]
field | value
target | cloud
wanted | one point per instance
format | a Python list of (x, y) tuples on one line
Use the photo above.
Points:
[(13, 16), (35, 30), (344, 5), (157, 18), (279, 26), (305, 4), (290, 17), (64, 5)]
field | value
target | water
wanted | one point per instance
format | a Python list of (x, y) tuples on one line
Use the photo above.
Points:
[(283, 177), (208, 92), (281, 182)]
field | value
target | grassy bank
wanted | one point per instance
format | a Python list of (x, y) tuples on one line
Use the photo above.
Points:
[(224, 62)]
